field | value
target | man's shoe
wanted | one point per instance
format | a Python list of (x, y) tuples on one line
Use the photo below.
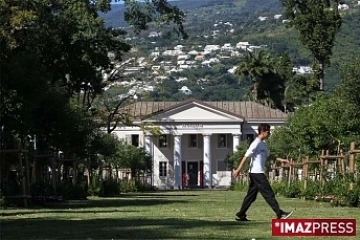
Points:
[(285, 215), (241, 219)]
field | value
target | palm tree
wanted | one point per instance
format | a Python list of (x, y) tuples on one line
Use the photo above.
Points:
[(256, 67), (268, 76)]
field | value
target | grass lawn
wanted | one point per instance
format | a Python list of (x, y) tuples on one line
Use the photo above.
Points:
[(160, 215)]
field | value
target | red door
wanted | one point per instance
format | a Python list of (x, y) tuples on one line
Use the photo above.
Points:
[(201, 173), (183, 174)]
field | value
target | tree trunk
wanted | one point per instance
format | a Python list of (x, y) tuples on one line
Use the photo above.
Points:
[(255, 90), (27, 169), (117, 173), (75, 172), (110, 171), (133, 174), (21, 173), (89, 176), (34, 170), (321, 76), (53, 175)]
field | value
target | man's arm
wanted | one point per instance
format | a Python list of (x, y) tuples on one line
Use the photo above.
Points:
[(282, 160), (241, 165), (249, 153)]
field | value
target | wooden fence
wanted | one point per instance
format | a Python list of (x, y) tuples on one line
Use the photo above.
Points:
[(322, 167)]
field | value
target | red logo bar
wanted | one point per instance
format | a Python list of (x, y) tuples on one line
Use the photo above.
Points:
[(313, 227)]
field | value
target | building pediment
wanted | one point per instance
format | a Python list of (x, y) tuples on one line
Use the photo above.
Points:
[(207, 111), (193, 111)]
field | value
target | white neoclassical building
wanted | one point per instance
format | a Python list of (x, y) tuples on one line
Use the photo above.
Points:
[(196, 137)]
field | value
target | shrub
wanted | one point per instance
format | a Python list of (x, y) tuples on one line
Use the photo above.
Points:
[(128, 186), (293, 191), (111, 187), (95, 187), (279, 187), (41, 188), (71, 192), (239, 186), (312, 190)]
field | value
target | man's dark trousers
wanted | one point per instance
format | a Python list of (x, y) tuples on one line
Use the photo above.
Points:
[(259, 183)]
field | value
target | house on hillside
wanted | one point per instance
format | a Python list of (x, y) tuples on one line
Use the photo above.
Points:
[(196, 138)]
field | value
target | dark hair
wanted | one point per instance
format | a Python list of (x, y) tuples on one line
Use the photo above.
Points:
[(263, 127)]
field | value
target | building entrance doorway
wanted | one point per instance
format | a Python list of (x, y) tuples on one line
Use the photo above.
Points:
[(193, 173)]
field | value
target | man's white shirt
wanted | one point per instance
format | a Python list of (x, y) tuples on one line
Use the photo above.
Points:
[(259, 152)]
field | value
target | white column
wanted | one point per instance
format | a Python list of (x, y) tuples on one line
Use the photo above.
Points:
[(236, 141), (207, 161), (148, 143), (177, 162)]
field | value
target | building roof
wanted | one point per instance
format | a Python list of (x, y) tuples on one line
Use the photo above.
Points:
[(245, 109)]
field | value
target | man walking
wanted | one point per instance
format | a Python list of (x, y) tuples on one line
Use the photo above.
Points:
[(259, 152)]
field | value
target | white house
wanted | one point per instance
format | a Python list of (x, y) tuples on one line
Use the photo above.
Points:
[(185, 90), (196, 138), (343, 7)]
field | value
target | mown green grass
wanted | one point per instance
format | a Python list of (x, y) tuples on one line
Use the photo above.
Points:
[(160, 215)]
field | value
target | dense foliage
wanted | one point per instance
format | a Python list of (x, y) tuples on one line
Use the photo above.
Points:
[(53, 57)]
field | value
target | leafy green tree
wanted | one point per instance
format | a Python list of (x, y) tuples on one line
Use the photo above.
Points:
[(51, 53), (318, 22), (140, 14), (137, 159), (300, 90), (234, 158), (328, 123)]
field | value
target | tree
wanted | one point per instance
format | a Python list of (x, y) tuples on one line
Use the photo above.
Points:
[(137, 159), (234, 158), (268, 76), (53, 52), (255, 66), (140, 14), (300, 90), (318, 22), (329, 122)]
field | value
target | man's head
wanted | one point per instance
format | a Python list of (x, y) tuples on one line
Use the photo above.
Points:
[(264, 131)]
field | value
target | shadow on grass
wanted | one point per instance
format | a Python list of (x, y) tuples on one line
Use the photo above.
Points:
[(156, 195), (104, 203), (126, 228), (67, 211)]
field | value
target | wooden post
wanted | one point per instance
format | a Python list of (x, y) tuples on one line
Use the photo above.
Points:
[(342, 163), (322, 168), (352, 163), (281, 172), (290, 173), (305, 171), (273, 171), (326, 165)]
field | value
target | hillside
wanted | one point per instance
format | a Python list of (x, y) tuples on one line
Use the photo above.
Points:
[(220, 22), (207, 8)]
